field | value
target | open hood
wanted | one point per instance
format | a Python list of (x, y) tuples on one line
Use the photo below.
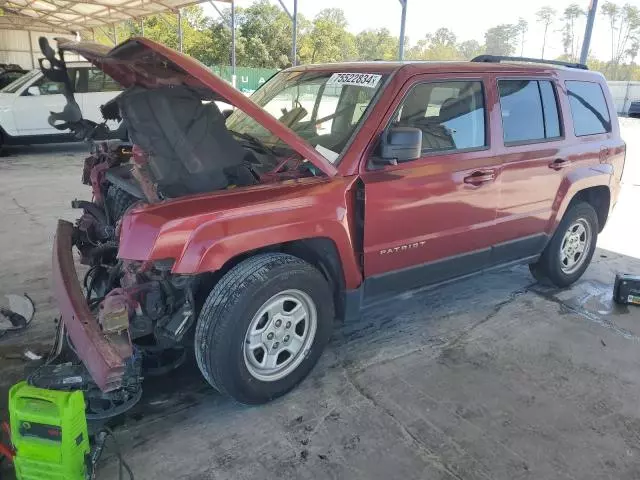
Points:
[(143, 62)]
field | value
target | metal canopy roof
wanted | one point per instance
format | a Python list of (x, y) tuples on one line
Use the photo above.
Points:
[(72, 16), (66, 16)]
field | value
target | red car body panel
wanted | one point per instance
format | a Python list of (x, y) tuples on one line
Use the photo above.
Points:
[(431, 189), (526, 198), (203, 232), (415, 213), (103, 356)]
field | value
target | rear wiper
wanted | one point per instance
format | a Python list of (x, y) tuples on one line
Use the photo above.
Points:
[(255, 141)]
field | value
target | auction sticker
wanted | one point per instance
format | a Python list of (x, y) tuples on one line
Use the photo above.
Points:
[(370, 80)]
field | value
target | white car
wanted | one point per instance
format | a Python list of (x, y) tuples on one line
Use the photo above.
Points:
[(25, 104)]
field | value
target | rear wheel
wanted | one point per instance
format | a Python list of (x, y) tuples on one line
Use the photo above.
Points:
[(569, 252), (263, 327)]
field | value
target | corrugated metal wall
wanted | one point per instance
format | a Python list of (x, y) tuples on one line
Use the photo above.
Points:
[(21, 46), (248, 79), (624, 93)]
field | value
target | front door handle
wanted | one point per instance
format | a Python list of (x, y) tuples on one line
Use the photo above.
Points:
[(480, 176), (559, 164)]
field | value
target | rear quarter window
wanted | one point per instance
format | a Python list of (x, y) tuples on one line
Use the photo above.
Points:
[(588, 108)]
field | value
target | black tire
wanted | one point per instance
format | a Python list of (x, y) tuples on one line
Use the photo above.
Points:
[(548, 269), (228, 312), (118, 201)]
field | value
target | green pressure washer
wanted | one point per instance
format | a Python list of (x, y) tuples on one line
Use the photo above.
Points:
[(49, 436), (49, 433)]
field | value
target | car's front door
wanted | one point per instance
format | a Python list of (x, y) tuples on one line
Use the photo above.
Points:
[(34, 103), (433, 218)]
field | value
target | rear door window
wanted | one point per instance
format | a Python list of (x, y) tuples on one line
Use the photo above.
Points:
[(588, 108), (550, 109), (529, 111), (93, 80)]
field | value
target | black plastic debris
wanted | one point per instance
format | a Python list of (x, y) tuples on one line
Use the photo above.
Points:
[(626, 289), (16, 313)]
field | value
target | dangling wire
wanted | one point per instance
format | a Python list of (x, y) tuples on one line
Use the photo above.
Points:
[(102, 438)]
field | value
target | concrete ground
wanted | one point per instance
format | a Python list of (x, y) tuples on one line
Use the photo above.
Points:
[(490, 378)]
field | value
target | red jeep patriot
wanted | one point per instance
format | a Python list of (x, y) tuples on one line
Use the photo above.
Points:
[(243, 234)]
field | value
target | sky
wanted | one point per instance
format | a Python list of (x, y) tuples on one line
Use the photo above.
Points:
[(468, 19)]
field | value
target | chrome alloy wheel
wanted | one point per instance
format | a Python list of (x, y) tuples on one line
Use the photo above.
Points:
[(575, 246), (280, 335)]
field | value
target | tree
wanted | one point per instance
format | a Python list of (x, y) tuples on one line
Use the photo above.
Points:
[(419, 50), (522, 27), (267, 31), (440, 45), (633, 50), (500, 40), (569, 42), (469, 49), (328, 40), (626, 21), (376, 45), (545, 16), (443, 37), (611, 10)]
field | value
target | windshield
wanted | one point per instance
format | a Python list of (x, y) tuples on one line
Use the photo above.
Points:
[(324, 108), (16, 85)]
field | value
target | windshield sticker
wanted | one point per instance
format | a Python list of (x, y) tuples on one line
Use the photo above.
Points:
[(370, 80)]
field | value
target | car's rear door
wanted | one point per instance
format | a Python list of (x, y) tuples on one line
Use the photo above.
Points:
[(433, 218), (534, 158)]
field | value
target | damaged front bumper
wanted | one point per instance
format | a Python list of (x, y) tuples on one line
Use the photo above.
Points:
[(104, 355)]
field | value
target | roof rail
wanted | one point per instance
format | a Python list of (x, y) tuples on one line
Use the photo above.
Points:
[(500, 58)]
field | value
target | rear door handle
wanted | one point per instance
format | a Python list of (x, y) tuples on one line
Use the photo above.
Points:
[(559, 164), (480, 176)]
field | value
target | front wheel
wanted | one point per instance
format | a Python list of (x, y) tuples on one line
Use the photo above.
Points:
[(569, 252), (263, 327)]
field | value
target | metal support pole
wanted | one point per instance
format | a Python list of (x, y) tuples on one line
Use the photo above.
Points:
[(591, 15), (180, 30), (402, 26), (218, 10), (294, 37), (294, 46), (33, 62), (233, 43), (115, 35)]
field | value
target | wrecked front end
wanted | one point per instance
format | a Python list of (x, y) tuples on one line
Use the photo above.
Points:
[(131, 316)]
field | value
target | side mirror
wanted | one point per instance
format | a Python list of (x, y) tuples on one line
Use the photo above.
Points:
[(33, 91), (227, 113), (401, 144)]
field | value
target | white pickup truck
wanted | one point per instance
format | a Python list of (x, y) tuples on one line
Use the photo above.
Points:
[(26, 103)]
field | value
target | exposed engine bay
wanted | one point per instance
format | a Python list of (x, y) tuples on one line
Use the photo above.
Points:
[(178, 145)]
